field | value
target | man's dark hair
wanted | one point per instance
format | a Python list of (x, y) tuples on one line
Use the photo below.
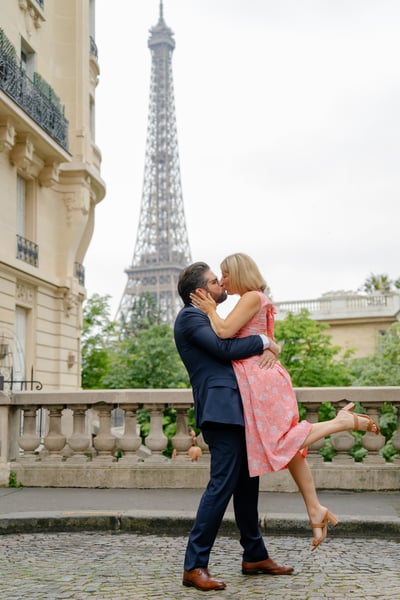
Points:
[(190, 278)]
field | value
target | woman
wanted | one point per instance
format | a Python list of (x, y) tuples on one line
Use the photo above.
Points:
[(275, 437)]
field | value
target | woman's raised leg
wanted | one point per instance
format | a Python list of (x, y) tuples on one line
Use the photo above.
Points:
[(317, 513), (345, 420)]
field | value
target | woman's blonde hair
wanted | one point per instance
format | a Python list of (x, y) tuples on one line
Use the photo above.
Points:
[(243, 273)]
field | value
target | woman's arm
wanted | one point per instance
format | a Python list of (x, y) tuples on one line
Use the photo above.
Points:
[(248, 305)]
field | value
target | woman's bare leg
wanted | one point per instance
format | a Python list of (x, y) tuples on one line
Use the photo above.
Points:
[(301, 473), (344, 421)]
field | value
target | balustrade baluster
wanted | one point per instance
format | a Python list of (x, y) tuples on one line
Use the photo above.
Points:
[(342, 442), (204, 447), (21, 449), (182, 440), (104, 441), (130, 441), (156, 441), (79, 441), (372, 442), (29, 440), (54, 441), (396, 437), (313, 455)]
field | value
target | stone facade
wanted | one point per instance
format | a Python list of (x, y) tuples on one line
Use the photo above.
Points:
[(49, 187)]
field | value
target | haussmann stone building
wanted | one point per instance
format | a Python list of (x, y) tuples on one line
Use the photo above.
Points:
[(50, 184)]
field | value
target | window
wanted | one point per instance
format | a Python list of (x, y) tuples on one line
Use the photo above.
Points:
[(27, 250), (28, 59), (19, 343), (21, 206), (92, 118)]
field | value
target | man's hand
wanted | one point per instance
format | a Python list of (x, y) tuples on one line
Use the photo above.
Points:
[(267, 359)]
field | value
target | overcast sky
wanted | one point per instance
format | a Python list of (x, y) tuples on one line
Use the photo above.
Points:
[(288, 117)]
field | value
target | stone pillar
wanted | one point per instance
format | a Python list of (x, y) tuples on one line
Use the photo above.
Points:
[(4, 434), (313, 455), (54, 441), (156, 441), (372, 442), (182, 440), (342, 442), (29, 440), (396, 437), (104, 441), (130, 441), (204, 447), (79, 441)]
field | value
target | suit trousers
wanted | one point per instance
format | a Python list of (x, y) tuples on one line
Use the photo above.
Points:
[(229, 476)]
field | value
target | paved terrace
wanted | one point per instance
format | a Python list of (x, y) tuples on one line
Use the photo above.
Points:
[(129, 543)]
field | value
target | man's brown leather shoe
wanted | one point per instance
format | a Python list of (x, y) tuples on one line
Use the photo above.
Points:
[(202, 580), (267, 566)]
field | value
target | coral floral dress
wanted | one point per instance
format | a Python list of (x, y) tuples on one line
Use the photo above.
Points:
[(274, 433)]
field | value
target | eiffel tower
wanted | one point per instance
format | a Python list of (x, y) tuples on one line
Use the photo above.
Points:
[(162, 246)]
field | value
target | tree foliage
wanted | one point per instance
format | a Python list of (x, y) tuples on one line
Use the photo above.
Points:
[(308, 354), (147, 359), (384, 367), (96, 341), (141, 355), (142, 314), (380, 283)]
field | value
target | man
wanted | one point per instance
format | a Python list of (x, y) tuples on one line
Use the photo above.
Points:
[(219, 413)]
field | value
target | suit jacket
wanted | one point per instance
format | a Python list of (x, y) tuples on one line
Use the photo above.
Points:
[(207, 359)]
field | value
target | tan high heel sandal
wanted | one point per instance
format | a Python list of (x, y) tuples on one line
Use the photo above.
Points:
[(356, 416), (328, 518)]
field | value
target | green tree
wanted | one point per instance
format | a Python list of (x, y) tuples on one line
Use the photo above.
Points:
[(384, 367), (96, 346), (147, 359), (377, 283), (143, 313), (308, 354)]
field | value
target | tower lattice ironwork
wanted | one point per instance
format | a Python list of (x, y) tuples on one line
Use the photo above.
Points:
[(162, 247)]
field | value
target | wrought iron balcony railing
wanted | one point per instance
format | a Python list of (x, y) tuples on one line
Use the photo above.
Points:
[(27, 251), (28, 95)]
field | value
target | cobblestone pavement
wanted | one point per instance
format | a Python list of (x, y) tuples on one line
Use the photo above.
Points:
[(118, 566)]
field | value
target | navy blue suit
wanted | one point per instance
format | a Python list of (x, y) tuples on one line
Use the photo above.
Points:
[(219, 413)]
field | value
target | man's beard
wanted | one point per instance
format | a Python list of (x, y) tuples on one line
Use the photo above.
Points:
[(221, 298)]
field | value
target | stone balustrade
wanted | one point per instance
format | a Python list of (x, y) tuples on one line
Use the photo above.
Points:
[(339, 305), (79, 446)]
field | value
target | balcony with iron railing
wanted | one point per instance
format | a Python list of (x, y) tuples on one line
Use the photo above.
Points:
[(27, 251), (80, 446), (36, 97)]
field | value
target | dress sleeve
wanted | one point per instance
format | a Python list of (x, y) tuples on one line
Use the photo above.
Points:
[(270, 319)]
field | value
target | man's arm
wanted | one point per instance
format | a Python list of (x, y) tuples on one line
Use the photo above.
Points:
[(198, 331)]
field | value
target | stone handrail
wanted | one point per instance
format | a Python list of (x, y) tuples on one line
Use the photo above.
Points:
[(65, 449), (336, 305)]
